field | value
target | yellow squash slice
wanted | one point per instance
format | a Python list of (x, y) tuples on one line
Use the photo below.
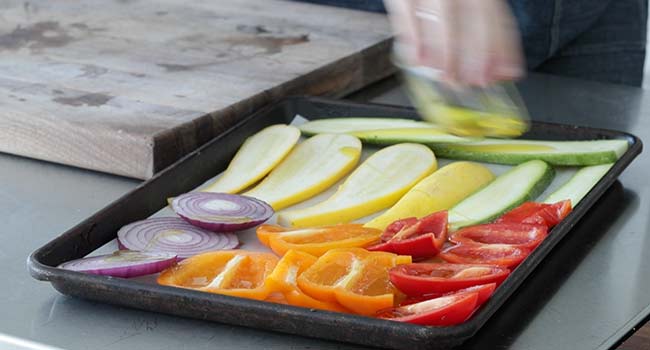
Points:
[(439, 191), (312, 167), (256, 158), (377, 184)]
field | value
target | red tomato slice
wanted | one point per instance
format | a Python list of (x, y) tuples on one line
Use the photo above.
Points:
[(548, 215), (520, 235), (493, 254), (427, 278), (397, 226), (484, 291), (418, 238), (443, 311)]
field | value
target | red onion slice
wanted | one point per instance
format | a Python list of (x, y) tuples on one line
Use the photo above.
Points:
[(221, 212), (173, 235), (123, 263)]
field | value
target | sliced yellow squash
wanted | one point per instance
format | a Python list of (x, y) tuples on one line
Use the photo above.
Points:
[(378, 183), (439, 191), (258, 155), (312, 167)]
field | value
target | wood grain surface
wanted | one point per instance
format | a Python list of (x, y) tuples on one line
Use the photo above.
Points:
[(129, 86), (640, 340)]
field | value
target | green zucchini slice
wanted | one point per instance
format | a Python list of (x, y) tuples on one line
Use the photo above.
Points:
[(522, 183), (348, 125), (579, 185), (569, 153)]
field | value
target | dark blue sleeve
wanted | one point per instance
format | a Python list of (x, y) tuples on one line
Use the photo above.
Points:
[(600, 40), (364, 5)]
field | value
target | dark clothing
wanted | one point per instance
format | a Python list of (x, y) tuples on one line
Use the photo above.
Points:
[(365, 5), (601, 40)]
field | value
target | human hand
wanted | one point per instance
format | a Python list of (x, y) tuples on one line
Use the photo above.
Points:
[(472, 42)]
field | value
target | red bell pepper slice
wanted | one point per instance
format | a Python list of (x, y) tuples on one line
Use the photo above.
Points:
[(443, 311), (492, 254), (421, 238), (535, 213), (520, 235), (428, 278)]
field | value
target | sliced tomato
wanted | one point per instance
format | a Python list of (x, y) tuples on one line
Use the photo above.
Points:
[(484, 291), (443, 311), (428, 278), (396, 226), (421, 238), (520, 235), (492, 254), (545, 214)]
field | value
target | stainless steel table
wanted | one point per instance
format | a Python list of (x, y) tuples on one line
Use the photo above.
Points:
[(589, 293)]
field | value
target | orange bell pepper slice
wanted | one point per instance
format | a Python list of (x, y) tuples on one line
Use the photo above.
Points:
[(318, 240), (355, 278), (236, 273), (277, 297), (283, 279)]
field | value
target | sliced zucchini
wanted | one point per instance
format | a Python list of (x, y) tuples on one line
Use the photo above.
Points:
[(376, 184), (418, 135), (579, 185), (521, 183), (574, 153), (258, 155), (347, 125), (310, 168)]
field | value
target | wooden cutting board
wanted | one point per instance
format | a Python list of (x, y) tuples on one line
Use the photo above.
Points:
[(129, 86)]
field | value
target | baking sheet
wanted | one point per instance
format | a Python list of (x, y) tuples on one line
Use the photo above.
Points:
[(199, 166), (249, 239)]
